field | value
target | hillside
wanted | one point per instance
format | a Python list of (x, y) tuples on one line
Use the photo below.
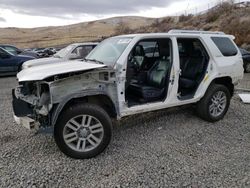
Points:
[(229, 18), (53, 36)]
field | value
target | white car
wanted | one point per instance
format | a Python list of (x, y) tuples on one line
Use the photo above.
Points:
[(119, 79), (72, 52)]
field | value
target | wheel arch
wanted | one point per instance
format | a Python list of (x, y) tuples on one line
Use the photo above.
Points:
[(93, 97), (226, 81)]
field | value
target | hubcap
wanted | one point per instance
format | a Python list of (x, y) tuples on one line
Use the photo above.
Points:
[(83, 133), (218, 103)]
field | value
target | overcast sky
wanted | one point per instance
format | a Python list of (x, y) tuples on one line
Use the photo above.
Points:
[(36, 13)]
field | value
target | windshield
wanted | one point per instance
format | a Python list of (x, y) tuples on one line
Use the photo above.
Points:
[(109, 50), (63, 52)]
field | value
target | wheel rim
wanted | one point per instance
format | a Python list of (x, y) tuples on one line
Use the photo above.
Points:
[(83, 133), (218, 103)]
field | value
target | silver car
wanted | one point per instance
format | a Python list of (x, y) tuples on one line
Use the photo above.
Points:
[(72, 52)]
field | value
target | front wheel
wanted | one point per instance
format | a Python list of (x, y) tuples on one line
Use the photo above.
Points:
[(83, 131), (214, 105)]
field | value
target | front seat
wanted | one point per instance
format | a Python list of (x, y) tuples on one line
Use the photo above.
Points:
[(138, 56), (155, 84), (192, 70)]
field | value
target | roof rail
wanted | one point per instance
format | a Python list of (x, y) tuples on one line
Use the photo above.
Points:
[(195, 32)]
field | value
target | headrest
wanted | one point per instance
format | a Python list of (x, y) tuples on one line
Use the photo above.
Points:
[(139, 51)]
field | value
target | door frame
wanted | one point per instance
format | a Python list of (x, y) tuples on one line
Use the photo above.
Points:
[(171, 96)]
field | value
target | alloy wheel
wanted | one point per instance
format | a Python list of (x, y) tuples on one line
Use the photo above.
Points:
[(83, 133)]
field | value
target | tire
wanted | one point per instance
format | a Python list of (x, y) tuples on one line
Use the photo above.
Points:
[(206, 107), (247, 67), (83, 140)]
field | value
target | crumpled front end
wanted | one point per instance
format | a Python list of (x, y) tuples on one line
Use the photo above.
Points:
[(38, 103), (31, 104)]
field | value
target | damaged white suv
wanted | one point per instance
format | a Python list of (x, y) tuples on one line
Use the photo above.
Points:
[(127, 75)]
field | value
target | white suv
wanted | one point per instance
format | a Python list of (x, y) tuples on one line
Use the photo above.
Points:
[(127, 75)]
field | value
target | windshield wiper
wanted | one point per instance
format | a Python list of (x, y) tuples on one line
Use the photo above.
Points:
[(94, 60)]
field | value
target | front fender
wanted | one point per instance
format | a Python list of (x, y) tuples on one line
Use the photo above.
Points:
[(57, 109)]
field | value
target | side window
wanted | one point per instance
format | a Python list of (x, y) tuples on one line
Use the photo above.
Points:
[(82, 51), (10, 49), (181, 48), (147, 52), (190, 49), (75, 51), (87, 50), (225, 46), (151, 48), (78, 51), (2, 54)]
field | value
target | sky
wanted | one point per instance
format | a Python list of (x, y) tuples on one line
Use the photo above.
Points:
[(39, 13)]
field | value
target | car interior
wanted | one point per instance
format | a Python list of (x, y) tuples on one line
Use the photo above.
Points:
[(193, 64), (148, 71)]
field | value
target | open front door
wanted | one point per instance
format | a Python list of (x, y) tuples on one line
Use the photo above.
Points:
[(148, 72)]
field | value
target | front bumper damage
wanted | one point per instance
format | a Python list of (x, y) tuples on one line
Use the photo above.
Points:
[(23, 113), (27, 122), (26, 111)]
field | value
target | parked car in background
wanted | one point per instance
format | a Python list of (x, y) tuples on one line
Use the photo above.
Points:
[(46, 52), (51, 50), (10, 63), (16, 51), (246, 59), (72, 52)]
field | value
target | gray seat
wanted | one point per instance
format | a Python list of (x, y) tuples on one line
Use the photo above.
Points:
[(192, 70), (139, 56), (155, 84)]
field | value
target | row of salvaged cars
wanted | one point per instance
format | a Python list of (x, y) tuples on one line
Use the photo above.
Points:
[(13, 59)]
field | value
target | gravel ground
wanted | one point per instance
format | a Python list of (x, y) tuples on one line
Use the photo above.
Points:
[(169, 148)]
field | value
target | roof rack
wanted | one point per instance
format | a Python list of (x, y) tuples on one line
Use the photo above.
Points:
[(196, 32)]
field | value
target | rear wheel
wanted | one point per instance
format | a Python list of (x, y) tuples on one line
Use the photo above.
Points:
[(214, 105), (83, 131)]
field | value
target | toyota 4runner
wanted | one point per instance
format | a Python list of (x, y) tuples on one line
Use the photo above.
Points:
[(127, 75)]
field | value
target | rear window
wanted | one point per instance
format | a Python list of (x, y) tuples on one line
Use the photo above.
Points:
[(225, 46)]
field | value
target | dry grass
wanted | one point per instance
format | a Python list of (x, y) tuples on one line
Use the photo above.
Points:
[(225, 17), (53, 36)]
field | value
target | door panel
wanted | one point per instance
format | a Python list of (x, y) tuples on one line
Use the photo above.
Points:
[(7, 62)]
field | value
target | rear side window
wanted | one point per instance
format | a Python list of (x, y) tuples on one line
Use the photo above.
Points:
[(225, 46)]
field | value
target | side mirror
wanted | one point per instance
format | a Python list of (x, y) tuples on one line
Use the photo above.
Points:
[(73, 56)]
